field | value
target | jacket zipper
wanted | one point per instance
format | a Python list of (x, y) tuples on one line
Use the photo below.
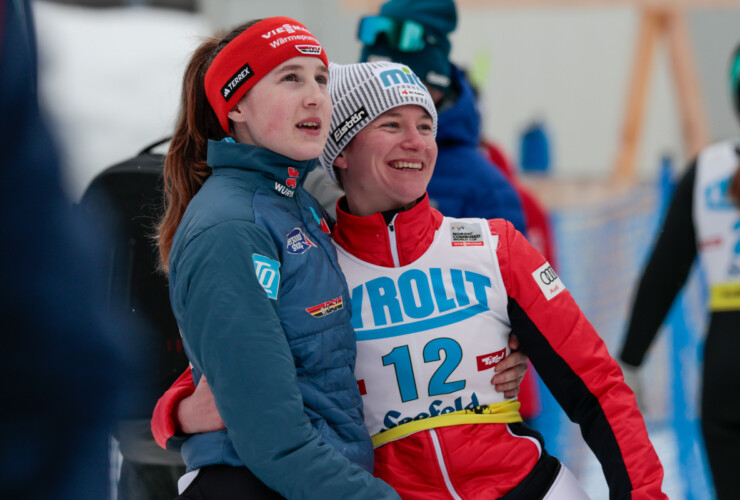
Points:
[(392, 239), (442, 466)]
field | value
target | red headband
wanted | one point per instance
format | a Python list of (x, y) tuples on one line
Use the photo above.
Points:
[(253, 54)]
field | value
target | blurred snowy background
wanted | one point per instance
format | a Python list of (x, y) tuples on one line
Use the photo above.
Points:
[(110, 83), (110, 75), (110, 80)]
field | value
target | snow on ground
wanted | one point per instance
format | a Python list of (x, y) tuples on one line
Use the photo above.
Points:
[(110, 82)]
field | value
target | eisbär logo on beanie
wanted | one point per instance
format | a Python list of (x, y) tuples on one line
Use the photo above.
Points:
[(347, 125)]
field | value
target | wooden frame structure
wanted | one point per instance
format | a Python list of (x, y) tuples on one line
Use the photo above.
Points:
[(659, 19)]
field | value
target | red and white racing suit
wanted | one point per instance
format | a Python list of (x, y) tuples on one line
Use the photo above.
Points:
[(434, 300)]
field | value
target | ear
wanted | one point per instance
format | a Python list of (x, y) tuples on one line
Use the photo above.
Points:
[(341, 161), (237, 113)]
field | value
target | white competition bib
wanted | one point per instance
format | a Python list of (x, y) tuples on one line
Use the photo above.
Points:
[(429, 334), (717, 225)]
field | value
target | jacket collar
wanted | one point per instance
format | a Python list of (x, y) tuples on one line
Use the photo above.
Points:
[(273, 166), (369, 238)]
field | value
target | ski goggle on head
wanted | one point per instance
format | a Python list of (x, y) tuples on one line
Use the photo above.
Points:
[(735, 73), (400, 34)]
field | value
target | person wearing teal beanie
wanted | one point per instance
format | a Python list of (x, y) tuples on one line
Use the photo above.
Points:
[(416, 33)]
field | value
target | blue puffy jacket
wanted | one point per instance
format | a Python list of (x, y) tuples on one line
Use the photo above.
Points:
[(264, 312), (465, 183)]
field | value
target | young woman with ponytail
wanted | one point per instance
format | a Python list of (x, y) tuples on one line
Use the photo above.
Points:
[(186, 167), (254, 282), (703, 219)]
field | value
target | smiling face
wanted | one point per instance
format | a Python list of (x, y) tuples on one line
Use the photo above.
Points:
[(287, 111), (389, 163)]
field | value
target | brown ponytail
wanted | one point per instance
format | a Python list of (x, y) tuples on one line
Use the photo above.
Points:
[(185, 167)]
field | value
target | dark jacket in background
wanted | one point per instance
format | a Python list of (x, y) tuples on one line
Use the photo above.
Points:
[(465, 184)]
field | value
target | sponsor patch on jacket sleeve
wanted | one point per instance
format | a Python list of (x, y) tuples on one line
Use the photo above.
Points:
[(548, 281), (268, 274)]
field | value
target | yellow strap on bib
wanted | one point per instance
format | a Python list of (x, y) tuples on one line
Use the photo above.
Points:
[(499, 413), (724, 297)]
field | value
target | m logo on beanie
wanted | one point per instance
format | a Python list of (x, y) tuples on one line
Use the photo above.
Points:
[(395, 76)]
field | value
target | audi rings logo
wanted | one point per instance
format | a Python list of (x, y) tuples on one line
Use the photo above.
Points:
[(548, 281), (548, 276)]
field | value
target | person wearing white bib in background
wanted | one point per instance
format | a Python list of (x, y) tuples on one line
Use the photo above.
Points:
[(703, 219)]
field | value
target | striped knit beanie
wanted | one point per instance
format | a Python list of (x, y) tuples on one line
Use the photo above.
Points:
[(360, 93)]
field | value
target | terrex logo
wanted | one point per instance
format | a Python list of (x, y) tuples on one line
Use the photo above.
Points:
[(236, 81), (392, 77), (348, 124)]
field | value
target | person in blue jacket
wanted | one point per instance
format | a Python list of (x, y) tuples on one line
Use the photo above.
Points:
[(263, 308), (465, 183), (67, 364)]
